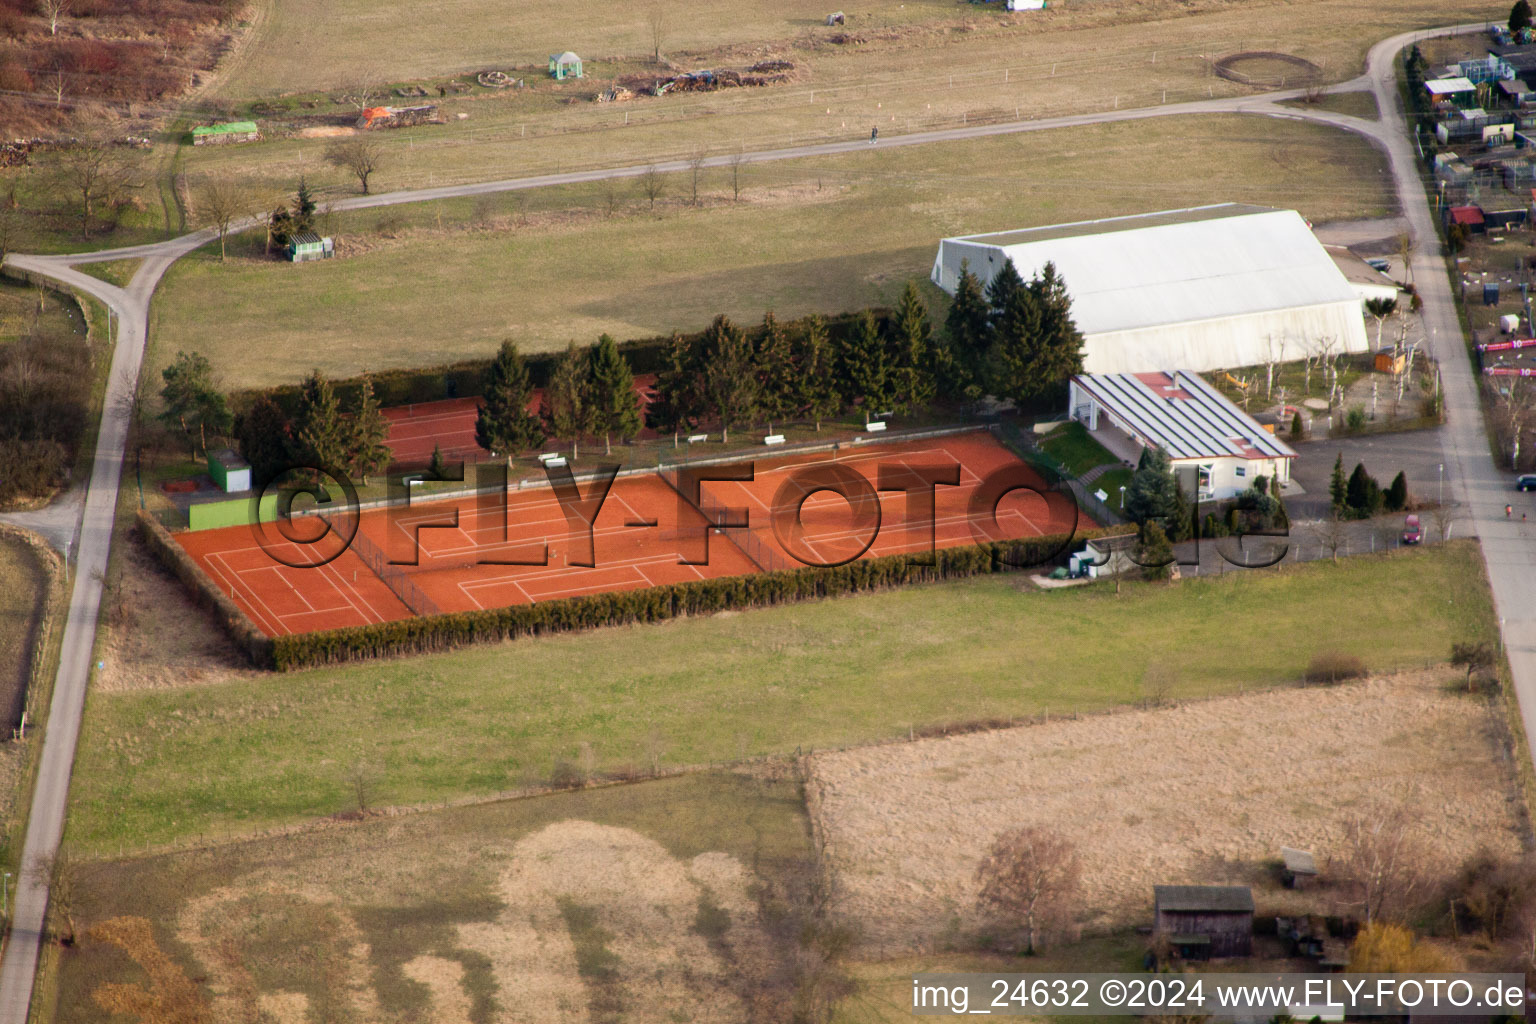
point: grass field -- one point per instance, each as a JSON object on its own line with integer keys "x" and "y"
{"x": 1072, "y": 446}
{"x": 25, "y": 309}
{"x": 166, "y": 765}
{"x": 1355, "y": 104}
{"x": 638, "y": 903}
{"x": 926, "y": 64}
{"x": 810, "y": 236}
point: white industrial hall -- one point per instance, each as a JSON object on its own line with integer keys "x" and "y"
{"x": 1207, "y": 288}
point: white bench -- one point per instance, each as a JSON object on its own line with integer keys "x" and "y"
{"x": 696, "y": 438}
{"x": 875, "y": 427}
{"x": 548, "y": 456}
{"x": 555, "y": 460}
{"x": 774, "y": 439}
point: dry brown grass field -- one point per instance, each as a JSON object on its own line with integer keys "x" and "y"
{"x": 432, "y": 283}
{"x": 1203, "y": 793}
{"x": 927, "y": 63}
{"x": 655, "y": 902}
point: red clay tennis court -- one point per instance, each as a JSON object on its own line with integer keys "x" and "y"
{"x": 642, "y": 536}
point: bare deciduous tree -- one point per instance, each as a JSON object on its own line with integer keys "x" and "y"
{"x": 366, "y": 86}
{"x": 1030, "y": 878}
{"x": 54, "y": 11}
{"x": 1379, "y": 863}
{"x": 222, "y": 203}
{"x": 362, "y": 777}
{"x": 1158, "y": 681}
{"x": 1405, "y": 253}
{"x": 95, "y": 172}
{"x": 736, "y": 160}
{"x": 656, "y": 21}
{"x": 360, "y": 156}
{"x": 612, "y": 200}
{"x": 66, "y": 885}
{"x": 695, "y": 169}
{"x": 652, "y": 184}
{"x": 55, "y": 81}
{"x": 1330, "y": 533}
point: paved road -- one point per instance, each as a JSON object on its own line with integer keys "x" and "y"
{"x": 1478, "y": 484}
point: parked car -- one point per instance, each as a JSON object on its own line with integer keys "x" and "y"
{"x": 1526, "y": 482}
{"x": 1412, "y": 532}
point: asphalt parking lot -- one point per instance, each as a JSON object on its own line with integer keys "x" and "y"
{"x": 1416, "y": 453}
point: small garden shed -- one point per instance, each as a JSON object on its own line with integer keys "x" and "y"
{"x": 564, "y": 65}
{"x": 309, "y": 246}
{"x": 229, "y": 471}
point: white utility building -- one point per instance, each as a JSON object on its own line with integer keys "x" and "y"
{"x": 1207, "y": 288}
{"x": 1220, "y": 446}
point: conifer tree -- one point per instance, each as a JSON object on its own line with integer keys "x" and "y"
{"x": 914, "y": 383}
{"x": 818, "y": 391}
{"x": 615, "y": 407}
{"x": 504, "y": 426}
{"x": 1337, "y": 489}
{"x": 320, "y": 432}
{"x": 776, "y": 374}
{"x": 729, "y": 382}
{"x": 967, "y": 337}
{"x": 865, "y": 365}
{"x": 567, "y": 408}
{"x": 675, "y": 402}
{"x": 368, "y": 432}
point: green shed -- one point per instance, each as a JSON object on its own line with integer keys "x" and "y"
{"x": 309, "y": 246}
{"x": 564, "y": 65}
{"x": 229, "y": 471}
{"x": 222, "y": 134}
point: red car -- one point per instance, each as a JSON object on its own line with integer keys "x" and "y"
{"x": 1412, "y": 534}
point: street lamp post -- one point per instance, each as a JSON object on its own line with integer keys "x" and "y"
{"x": 1441, "y": 500}
{"x": 1122, "y": 497}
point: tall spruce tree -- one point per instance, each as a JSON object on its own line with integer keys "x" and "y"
{"x": 914, "y": 364}
{"x": 967, "y": 337}
{"x": 303, "y": 209}
{"x": 675, "y": 399}
{"x": 504, "y": 426}
{"x": 818, "y": 391}
{"x": 615, "y": 406}
{"x": 1061, "y": 343}
{"x": 729, "y": 382}
{"x": 1011, "y": 368}
{"x": 318, "y": 427}
{"x": 567, "y": 408}
{"x": 367, "y": 434}
{"x": 865, "y": 365}
{"x": 776, "y": 372}
{"x": 1337, "y": 489}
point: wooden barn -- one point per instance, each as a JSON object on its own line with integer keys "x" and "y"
{"x": 1204, "y": 921}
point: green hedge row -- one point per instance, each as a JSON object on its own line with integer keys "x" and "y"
{"x": 654, "y": 604}
{"x": 467, "y": 379}
{"x": 245, "y": 633}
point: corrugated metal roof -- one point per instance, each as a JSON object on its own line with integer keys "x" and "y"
{"x": 304, "y": 238}
{"x": 1440, "y": 86}
{"x": 1180, "y": 266}
{"x": 1182, "y": 414}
